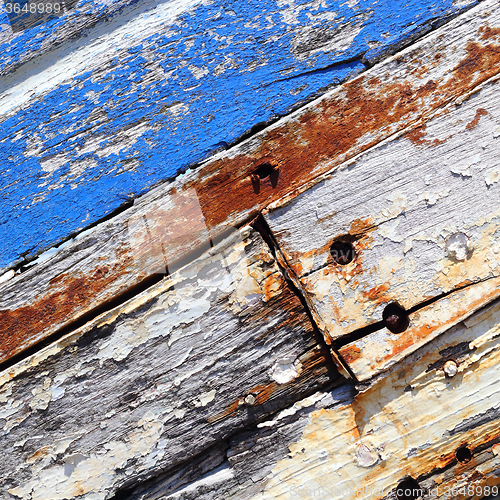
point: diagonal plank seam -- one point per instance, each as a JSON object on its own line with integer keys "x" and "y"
{"x": 374, "y": 327}
{"x": 126, "y": 491}
{"x": 282, "y": 202}
{"x": 261, "y": 226}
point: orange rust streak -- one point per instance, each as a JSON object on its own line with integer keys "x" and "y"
{"x": 480, "y": 112}
{"x": 21, "y": 328}
{"x": 334, "y": 129}
{"x": 351, "y": 354}
{"x": 417, "y": 135}
{"x": 376, "y": 291}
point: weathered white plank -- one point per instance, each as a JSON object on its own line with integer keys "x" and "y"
{"x": 337, "y": 445}
{"x": 387, "y": 100}
{"x": 216, "y": 346}
{"x": 421, "y": 212}
{"x": 378, "y": 351}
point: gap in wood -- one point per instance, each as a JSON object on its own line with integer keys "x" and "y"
{"x": 85, "y": 318}
{"x": 260, "y": 225}
{"x": 463, "y": 454}
{"x": 116, "y": 301}
{"x": 379, "y": 325}
{"x": 408, "y": 489}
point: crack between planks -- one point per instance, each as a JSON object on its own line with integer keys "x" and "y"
{"x": 140, "y": 489}
{"x": 326, "y": 69}
{"x": 261, "y": 226}
{"x": 82, "y": 320}
{"x": 379, "y": 325}
{"x": 292, "y": 279}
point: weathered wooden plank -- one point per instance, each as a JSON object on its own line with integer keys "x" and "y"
{"x": 420, "y": 211}
{"x": 338, "y": 445}
{"x": 382, "y": 349}
{"x": 218, "y": 345}
{"x": 382, "y": 29}
{"x": 221, "y": 194}
{"x": 121, "y": 95}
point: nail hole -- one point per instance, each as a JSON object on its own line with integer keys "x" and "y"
{"x": 408, "y": 489}
{"x": 342, "y": 252}
{"x": 264, "y": 170}
{"x": 463, "y": 454}
{"x": 395, "y": 318}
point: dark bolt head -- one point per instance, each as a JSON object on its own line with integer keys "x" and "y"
{"x": 342, "y": 252}
{"x": 393, "y": 321}
{"x": 463, "y": 454}
{"x": 395, "y": 318}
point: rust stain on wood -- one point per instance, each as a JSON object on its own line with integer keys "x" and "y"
{"x": 480, "y": 112}
{"x": 361, "y": 114}
{"x": 69, "y": 295}
{"x": 334, "y": 129}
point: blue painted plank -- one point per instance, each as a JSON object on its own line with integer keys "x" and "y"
{"x": 18, "y": 46}
{"x": 141, "y": 97}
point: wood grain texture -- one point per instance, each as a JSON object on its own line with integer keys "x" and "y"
{"x": 341, "y": 445}
{"x": 217, "y": 346}
{"x": 183, "y": 216}
{"x": 103, "y": 103}
{"x": 421, "y": 211}
{"x": 378, "y": 351}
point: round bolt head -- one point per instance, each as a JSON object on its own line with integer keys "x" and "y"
{"x": 250, "y": 400}
{"x": 450, "y": 368}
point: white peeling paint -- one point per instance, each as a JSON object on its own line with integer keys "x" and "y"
{"x": 492, "y": 177}
{"x": 285, "y": 370}
{"x": 7, "y": 276}
{"x": 206, "y": 398}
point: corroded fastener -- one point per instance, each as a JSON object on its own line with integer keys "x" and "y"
{"x": 395, "y": 318}
{"x": 463, "y": 454}
{"x": 342, "y": 252}
{"x": 265, "y": 170}
{"x": 250, "y": 400}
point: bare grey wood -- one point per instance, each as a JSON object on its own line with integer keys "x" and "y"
{"x": 421, "y": 211}
{"x": 337, "y": 444}
{"x": 217, "y": 346}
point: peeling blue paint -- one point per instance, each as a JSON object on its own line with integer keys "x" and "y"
{"x": 245, "y": 63}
